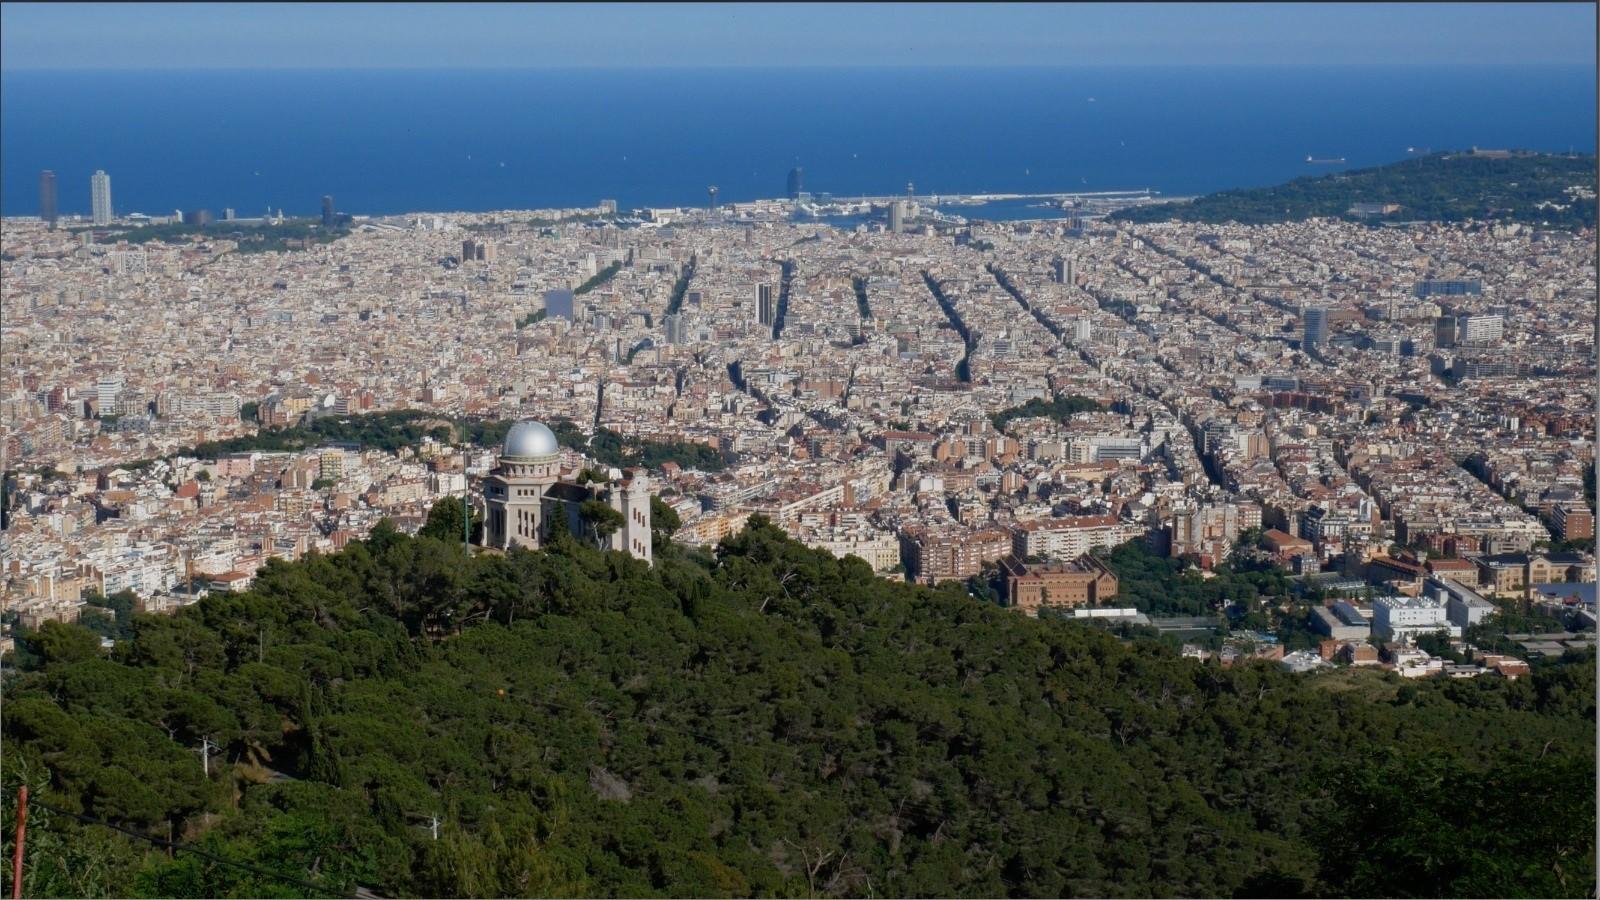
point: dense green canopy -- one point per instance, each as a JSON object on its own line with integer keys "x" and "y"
{"x": 764, "y": 720}
{"x": 1059, "y": 408}
{"x": 392, "y": 430}
{"x": 389, "y": 430}
{"x": 252, "y": 238}
{"x": 1442, "y": 187}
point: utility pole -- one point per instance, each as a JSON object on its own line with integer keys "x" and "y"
{"x": 205, "y": 753}
{"x": 22, "y": 833}
{"x": 466, "y": 502}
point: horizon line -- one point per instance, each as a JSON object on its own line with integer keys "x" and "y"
{"x": 995, "y": 196}
{"x": 1408, "y": 64}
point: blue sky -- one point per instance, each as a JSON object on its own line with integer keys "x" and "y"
{"x": 182, "y": 35}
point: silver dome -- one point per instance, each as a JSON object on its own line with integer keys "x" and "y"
{"x": 528, "y": 440}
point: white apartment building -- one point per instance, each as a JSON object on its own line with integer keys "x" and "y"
{"x": 1103, "y": 447}
{"x": 100, "y": 197}
{"x": 1407, "y": 618}
{"x": 106, "y": 391}
{"x": 1481, "y": 329}
{"x": 1064, "y": 539}
{"x": 880, "y": 549}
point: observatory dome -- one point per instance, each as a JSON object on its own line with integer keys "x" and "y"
{"x": 530, "y": 440}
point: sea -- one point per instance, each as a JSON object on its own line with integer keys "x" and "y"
{"x": 387, "y": 142}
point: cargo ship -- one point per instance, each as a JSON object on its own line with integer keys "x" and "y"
{"x": 1324, "y": 162}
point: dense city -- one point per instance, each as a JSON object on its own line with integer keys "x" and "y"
{"x": 798, "y": 450}
{"x": 1358, "y": 443}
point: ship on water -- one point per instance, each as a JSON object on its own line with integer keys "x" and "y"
{"x": 1323, "y": 162}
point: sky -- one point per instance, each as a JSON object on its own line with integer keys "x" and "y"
{"x": 426, "y": 35}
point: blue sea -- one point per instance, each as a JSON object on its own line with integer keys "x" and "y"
{"x": 396, "y": 141}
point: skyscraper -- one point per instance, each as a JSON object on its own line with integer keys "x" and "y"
{"x": 897, "y": 216}
{"x": 766, "y": 305}
{"x": 1066, "y": 271}
{"x": 100, "y": 197}
{"x": 797, "y": 182}
{"x": 327, "y": 210}
{"x": 1316, "y": 323}
{"x": 1479, "y": 330}
{"x": 47, "y": 197}
{"x": 1444, "y": 332}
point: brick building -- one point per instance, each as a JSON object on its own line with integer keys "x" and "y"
{"x": 951, "y": 553}
{"x": 1573, "y": 522}
{"x": 1033, "y": 586}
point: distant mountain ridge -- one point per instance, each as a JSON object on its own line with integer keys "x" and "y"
{"x": 1483, "y": 185}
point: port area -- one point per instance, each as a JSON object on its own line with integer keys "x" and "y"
{"x": 960, "y": 209}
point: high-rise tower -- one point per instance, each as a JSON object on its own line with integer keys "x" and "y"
{"x": 1316, "y": 325}
{"x": 100, "y": 197}
{"x": 327, "y": 210}
{"x": 797, "y": 182}
{"x": 47, "y": 197}
{"x": 766, "y": 305}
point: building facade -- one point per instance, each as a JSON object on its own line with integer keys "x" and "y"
{"x": 1407, "y": 618}
{"x": 1573, "y": 521}
{"x": 100, "y": 197}
{"x": 1086, "y": 582}
{"x": 897, "y": 216}
{"x": 1064, "y": 538}
{"x": 1316, "y": 325}
{"x": 47, "y": 197}
{"x": 951, "y": 552}
{"x": 766, "y": 305}
{"x": 525, "y": 495}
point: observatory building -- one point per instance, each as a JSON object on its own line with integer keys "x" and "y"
{"x": 525, "y": 494}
